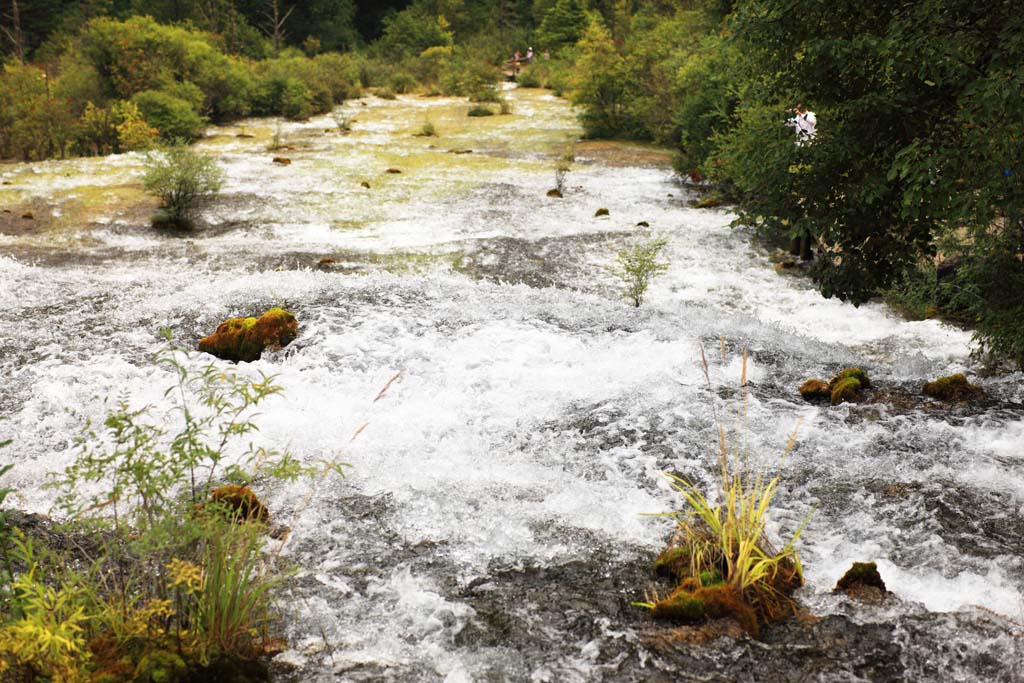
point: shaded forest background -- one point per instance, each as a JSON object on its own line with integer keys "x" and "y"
{"x": 910, "y": 190}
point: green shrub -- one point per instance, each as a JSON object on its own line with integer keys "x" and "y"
{"x": 637, "y": 265}
{"x": 529, "y": 77}
{"x": 480, "y": 111}
{"x": 174, "y": 117}
{"x": 181, "y": 178}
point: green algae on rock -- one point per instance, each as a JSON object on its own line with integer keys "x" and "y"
{"x": 855, "y": 373}
{"x": 953, "y": 388}
{"x": 245, "y": 339}
{"x": 846, "y": 390}
{"x": 814, "y": 389}
{"x": 601, "y": 212}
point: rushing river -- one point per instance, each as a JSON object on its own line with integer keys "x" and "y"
{"x": 490, "y": 527}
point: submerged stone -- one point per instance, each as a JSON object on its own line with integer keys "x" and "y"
{"x": 245, "y": 339}
{"x": 953, "y": 388}
{"x": 815, "y": 389}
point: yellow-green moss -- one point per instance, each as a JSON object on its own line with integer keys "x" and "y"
{"x": 815, "y": 389}
{"x": 245, "y": 339}
{"x": 953, "y": 388}
{"x": 855, "y": 373}
{"x": 845, "y": 390}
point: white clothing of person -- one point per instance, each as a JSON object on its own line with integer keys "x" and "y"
{"x": 805, "y": 125}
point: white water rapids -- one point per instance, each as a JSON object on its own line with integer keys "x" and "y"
{"x": 535, "y": 410}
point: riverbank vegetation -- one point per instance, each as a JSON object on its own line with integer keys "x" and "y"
{"x": 163, "y": 571}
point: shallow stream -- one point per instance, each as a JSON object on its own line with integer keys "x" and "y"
{"x": 491, "y": 524}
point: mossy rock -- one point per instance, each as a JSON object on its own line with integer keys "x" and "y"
{"x": 601, "y": 212}
{"x": 861, "y": 574}
{"x": 680, "y": 607}
{"x": 953, "y": 388}
{"x": 282, "y": 161}
{"x": 710, "y": 201}
{"x": 161, "y": 666}
{"x": 240, "y": 503}
{"x": 709, "y": 602}
{"x": 846, "y": 390}
{"x": 393, "y": 170}
{"x": 815, "y": 389}
{"x": 29, "y": 216}
{"x": 855, "y": 373}
{"x": 554, "y": 194}
{"x": 673, "y": 562}
{"x": 365, "y": 184}
{"x": 245, "y": 339}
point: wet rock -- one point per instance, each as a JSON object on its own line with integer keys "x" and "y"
{"x": 601, "y": 212}
{"x": 245, "y": 339}
{"x": 241, "y": 503}
{"x": 460, "y": 151}
{"x": 282, "y": 161}
{"x": 29, "y": 216}
{"x": 244, "y": 135}
{"x": 953, "y": 388}
{"x": 709, "y": 201}
{"x": 862, "y": 582}
{"x": 393, "y": 170}
{"x": 365, "y": 185}
{"x": 326, "y": 263}
{"x": 554, "y": 194}
{"x": 815, "y": 389}
{"x": 643, "y": 224}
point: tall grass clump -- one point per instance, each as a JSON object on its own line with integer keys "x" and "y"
{"x": 720, "y": 556}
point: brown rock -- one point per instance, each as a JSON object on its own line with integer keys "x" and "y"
{"x": 245, "y": 339}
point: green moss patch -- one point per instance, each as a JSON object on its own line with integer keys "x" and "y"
{"x": 953, "y": 388}
{"x": 245, "y": 339}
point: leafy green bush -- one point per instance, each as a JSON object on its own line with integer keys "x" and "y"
{"x": 173, "y": 116}
{"x": 180, "y": 178}
{"x": 637, "y": 265}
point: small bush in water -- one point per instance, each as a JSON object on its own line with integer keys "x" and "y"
{"x": 637, "y": 265}
{"x": 181, "y": 178}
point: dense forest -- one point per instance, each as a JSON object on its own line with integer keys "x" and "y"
{"x": 909, "y": 189}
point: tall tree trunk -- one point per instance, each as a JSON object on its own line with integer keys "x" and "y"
{"x": 14, "y": 32}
